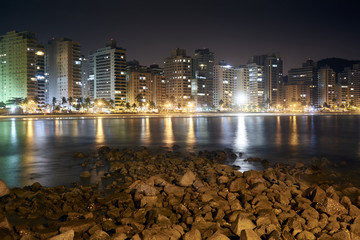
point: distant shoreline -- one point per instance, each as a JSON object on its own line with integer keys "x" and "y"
{"x": 139, "y": 115}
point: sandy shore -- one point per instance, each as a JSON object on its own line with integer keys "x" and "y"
{"x": 162, "y": 194}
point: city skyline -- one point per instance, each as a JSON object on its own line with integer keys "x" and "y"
{"x": 234, "y": 31}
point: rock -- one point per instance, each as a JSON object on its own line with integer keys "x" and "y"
{"x": 241, "y": 223}
{"x": 175, "y": 190}
{"x": 194, "y": 234}
{"x": 354, "y": 211}
{"x": 237, "y": 185}
{"x": 77, "y": 226}
{"x": 315, "y": 194}
{"x": 4, "y": 223}
{"x": 355, "y": 228}
{"x": 4, "y": 190}
{"x": 146, "y": 189}
{"x": 342, "y": 235}
{"x": 6, "y": 234}
{"x": 223, "y": 179}
{"x": 187, "y": 179}
{"x": 68, "y": 235}
{"x": 305, "y": 235}
{"x": 331, "y": 207}
{"x": 99, "y": 235}
{"x": 85, "y": 174}
{"x": 218, "y": 236}
{"x": 248, "y": 234}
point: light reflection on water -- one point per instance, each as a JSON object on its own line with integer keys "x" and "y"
{"x": 42, "y": 149}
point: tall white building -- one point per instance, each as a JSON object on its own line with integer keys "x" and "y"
{"x": 110, "y": 74}
{"x": 256, "y": 85}
{"x": 223, "y": 85}
{"x": 62, "y": 70}
{"x": 241, "y": 86}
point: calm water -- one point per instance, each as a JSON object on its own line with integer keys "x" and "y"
{"x": 42, "y": 149}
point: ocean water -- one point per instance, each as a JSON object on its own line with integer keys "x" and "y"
{"x": 41, "y": 150}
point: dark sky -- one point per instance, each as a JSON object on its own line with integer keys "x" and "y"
{"x": 233, "y": 30}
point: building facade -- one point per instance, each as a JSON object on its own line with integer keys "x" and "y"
{"x": 223, "y": 85}
{"x": 326, "y": 86}
{"x": 110, "y": 74}
{"x": 178, "y": 75}
{"x": 139, "y": 84}
{"x": 256, "y": 85}
{"x": 272, "y": 77}
{"x": 21, "y": 67}
{"x": 203, "y": 77}
{"x": 63, "y": 70}
{"x": 241, "y": 86}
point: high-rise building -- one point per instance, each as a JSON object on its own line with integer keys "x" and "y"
{"x": 223, "y": 85}
{"x": 303, "y": 82}
{"x": 256, "y": 85}
{"x": 63, "y": 70}
{"x": 178, "y": 74}
{"x": 326, "y": 86}
{"x": 203, "y": 75}
{"x": 85, "y": 86}
{"x": 273, "y": 75}
{"x": 241, "y": 86}
{"x": 348, "y": 87}
{"x": 158, "y": 86}
{"x": 110, "y": 74}
{"x": 138, "y": 84}
{"x": 21, "y": 67}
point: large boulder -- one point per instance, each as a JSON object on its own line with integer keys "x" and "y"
{"x": 4, "y": 190}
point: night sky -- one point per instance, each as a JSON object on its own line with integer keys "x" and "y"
{"x": 233, "y": 30}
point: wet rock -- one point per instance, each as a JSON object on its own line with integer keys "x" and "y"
{"x": 68, "y": 235}
{"x": 187, "y": 179}
{"x": 4, "y": 190}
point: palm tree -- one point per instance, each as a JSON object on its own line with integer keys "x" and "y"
{"x": 54, "y": 102}
{"x": 87, "y": 102}
{"x": 134, "y": 106}
{"x": 152, "y": 105}
{"x": 70, "y": 100}
{"x": 221, "y": 102}
{"x": 127, "y": 105}
{"x": 111, "y": 102}
{"x": 63, "y": 100}
{"x": 138, "y": 99}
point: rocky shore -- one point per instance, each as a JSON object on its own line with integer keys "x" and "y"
{"x": 164, "y": 194}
